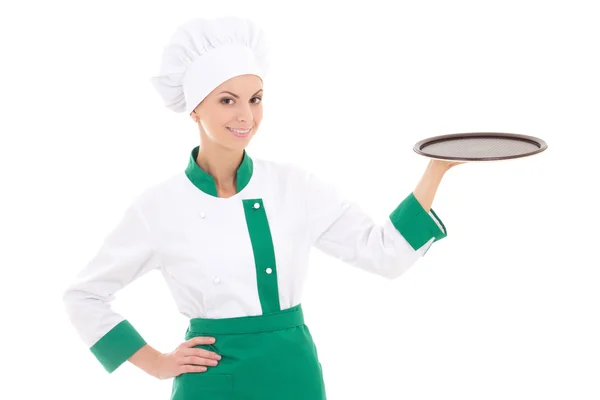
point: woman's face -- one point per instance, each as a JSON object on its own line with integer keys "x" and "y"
{"x": 231, "y": 114}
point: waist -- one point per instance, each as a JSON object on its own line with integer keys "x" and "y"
{"x": 284, "y": 319}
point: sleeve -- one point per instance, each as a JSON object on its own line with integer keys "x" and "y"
{"x": 125, "y": 255}
{"x": 340, "y": 228}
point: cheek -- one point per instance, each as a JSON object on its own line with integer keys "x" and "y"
{"x": 214, "y": 129}
{"x": 217, "y": 124}
{"x": 258, "y": 115}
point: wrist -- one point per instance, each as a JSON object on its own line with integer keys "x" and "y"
{"x": 438, "y": 167}
{"x": 154, "y": 365}
{"x": 147, "y": 359}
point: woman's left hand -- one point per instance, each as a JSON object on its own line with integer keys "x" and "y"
{"x": 445, "y": 165}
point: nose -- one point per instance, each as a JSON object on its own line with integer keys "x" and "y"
{"x": 245, "y": 113}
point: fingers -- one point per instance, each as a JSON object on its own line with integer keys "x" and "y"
{"x": 195, "y": 360}
{"x": 199, "y": 340}
{"x": 191, "y": 368}
{"x": 200, "y": 353}
{"x": 196, "y": 363}
{"x": 192, "y": 359}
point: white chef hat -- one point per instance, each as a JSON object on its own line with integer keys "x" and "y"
{"x": 203, "y": 53}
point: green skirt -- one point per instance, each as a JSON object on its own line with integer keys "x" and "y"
{"x": 264, "y": 357}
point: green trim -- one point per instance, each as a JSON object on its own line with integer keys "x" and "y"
{"x": 264, "y": 254}
{"x": 206, "y": 183}
{"x": 415, "y": 224}
{"x": 116, "y": 346}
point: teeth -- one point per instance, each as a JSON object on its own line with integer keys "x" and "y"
{"x": 239, "y": 130}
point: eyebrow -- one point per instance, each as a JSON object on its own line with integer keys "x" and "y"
{"x": 236, "y": 96}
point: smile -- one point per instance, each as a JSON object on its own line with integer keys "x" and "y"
{"x": 240, "y": 132}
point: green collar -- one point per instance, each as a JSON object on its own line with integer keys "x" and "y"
{"x": 205, "y": 182}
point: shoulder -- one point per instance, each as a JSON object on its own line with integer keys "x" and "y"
{"x": 301, "y": 176}
{"x": 286, "y": 176}
{"x": 281, "y": 169}
{"x": 160, "y": 193}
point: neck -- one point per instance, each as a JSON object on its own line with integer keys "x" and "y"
{"x": 221, "y": 164}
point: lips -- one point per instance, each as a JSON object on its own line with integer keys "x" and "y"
{"x": 239, "y": 132}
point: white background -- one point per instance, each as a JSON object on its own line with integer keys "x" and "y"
{"x": 505, "y": 307}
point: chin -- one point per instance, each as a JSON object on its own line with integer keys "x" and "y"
{"x": 236, "y": 143}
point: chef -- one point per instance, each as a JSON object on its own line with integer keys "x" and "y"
{"x": 231, "y": 235}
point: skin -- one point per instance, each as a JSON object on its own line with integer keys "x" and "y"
{"x": 427, "y": 187}
{"x": 220, "y": 155}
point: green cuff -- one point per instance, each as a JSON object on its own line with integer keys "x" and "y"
{"x": 415, "y": 224}
{"x": 120, "y": 343}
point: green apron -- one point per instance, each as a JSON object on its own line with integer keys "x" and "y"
{"x": 264, "y": 357}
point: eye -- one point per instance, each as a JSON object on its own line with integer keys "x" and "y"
{"x": 254, "y": 100}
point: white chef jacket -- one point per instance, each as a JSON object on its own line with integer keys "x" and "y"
{"x": 238, "y": 256}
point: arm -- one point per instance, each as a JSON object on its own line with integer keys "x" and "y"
{"x": 340, "y": 228}
{"x": 125, "y": 255}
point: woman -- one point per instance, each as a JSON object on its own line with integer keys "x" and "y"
{"x": 231, "y": 236}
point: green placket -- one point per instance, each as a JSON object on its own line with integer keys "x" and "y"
{"x": 264, "y": 254}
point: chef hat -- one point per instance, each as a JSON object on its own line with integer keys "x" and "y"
{"x": 203, "y": 53}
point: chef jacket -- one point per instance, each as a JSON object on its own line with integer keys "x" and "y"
{"x": 238, "y": 256}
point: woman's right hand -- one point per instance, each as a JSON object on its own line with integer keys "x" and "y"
{"x": 186, "y": 358}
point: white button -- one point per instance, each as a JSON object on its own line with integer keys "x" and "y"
{"x": 269, "y": 270}
{"x": 202, "y": 215}
{"x": 216, "y": 280}
{"x": 256, "y": 205}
